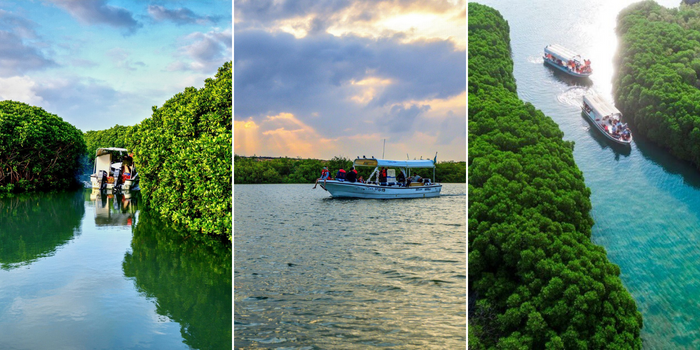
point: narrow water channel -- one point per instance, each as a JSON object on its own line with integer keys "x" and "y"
{"x": 646, "y": 205}
{"x": 83, "y": 270}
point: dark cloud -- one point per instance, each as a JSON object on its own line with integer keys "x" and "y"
{"x": 18, "y": 58}
{"x": 277, "y": 73}
{"x": 179, "y": 16}
{"x": 400, "y": 119}
{"x": 22, "y": 27}
{"x": 266, "y": 10}
{"x": 98, "y": 12}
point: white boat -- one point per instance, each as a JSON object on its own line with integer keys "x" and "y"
{"x": 386, "y": 190}
{"x": 114, "y": 171}
{"x": 606, "y": 118}
{"x": 567, "y": 61}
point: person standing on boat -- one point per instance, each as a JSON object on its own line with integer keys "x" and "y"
{"x": 325, "y": 174}
{"x": 382, "y": 175}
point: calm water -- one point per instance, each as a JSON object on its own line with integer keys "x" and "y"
{"x": 313, "y": 272}
{"x": 646, "y": 206}
{"x": 80, "y": 271}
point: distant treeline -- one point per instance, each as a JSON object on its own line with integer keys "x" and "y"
{"x": 657, "y": 82}
{"x": 254, "y": 170}
{"x": 117, "y": 136}
{"x": 537, "y": 280}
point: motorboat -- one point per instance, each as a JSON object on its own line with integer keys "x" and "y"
{"x": 567, "y": 61}
{"x": 389, "y": 188}
{"x": 606, "y": 118}
{"x": 114, "y": 171}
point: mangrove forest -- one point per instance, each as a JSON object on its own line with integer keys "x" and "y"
{"x": 536, "y": 281}
{"x": 657, "y": 81}
{"x": 38, "y": 150}
{"x": 268, "y": 170}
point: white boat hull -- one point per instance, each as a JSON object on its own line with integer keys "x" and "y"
{"x": 343, "y": 189}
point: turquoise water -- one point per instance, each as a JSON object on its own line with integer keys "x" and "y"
{"x": 85, "y": 271}
{"x": 646, "y": 205}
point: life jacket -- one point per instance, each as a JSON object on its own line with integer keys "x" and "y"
{"x": 383, "y": 172}
{"x": 324, "y": 172}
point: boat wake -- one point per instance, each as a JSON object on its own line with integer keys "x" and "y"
{"x": 572, "y": 96}
{"x": 535, "y": 59}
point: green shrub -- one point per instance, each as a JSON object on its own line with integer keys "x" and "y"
{"x": 38, "y": 150}
{"x": 116, "y": 136}
{"x": 658, "y": 75}
{"x": 183, "y": 153}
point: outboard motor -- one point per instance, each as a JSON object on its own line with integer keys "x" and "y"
{"x": 117, "y": 180}
{"x": 103, "y": 182}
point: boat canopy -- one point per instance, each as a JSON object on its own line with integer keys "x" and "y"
{"x": 426, "y": 163}
{"x": 600, "y": 105}
{"x": 561, "y": 52}
{"x": 101, "y": 151}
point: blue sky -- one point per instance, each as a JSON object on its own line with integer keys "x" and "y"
{"x": 97, "y": 63}
{"x": 324, "y": 78}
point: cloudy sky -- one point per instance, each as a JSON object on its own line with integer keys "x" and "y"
{"x": 324, "y": 78}
{"x": 97, "y": 63}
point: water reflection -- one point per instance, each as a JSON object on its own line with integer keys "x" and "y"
{"x": 32, "y": 227}
{"x": 190, "y": 282}
{"x": 114, "y": 209}
{"x": 669, "y": 163}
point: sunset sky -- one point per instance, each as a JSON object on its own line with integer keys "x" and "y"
{"x": 317, "y": 79}
{"x": 97, "y": 63}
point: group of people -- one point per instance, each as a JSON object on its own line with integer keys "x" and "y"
{"x": 351, "y": 176}
{"x": 573, "y": 65}
{"x": 620, "y": 130}
{"x": 341, "y": 175}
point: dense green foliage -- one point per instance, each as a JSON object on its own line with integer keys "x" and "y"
{"x": 658, "y": 76}
{"x": 539, "y": 280}
{"x": 116, "y": 136}
{"x": 38, "y": 150}
{"x": 190, "y": 283}
{"x": 33, "y": 226}
{"x": 251, "y": 170}
{"x": 183, "y": 153}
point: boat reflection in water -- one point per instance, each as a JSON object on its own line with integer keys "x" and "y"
{"x": 118, "y": 209}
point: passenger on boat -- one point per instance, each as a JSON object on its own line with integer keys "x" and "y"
{"x": 416, "y": 178}
{"x": 401, "y": 178}
{"x": 325, "y": 174}
{"x": 351, "y": 175}
{"x": 382, "y": 175}
{"x": 361, "y": 180}
{"x": 340, "y": 175}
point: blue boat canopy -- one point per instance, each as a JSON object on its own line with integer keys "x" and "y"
{"x": 372, "y": 162}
